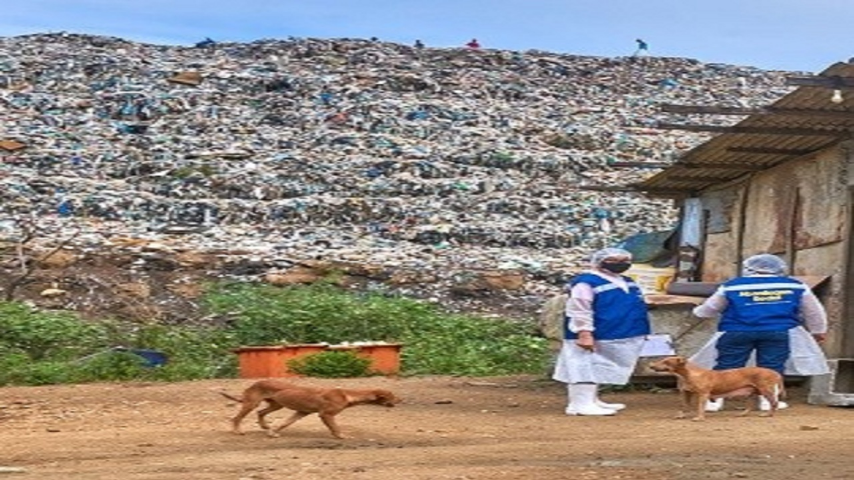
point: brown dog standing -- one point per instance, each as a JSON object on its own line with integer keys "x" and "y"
{"x": 698, "y": 385}
{"x": 326, "y": 402}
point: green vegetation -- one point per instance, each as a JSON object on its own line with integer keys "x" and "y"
{"x": 331, "y": 364}
{"x": 46, "y": 347}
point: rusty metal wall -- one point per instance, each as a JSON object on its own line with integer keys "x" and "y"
{"x": 830, "y": 258}
{"x": 805, "y": 199}
{"x": 719, "y": 259}
{"x": 803, "y": 204}
{"x": 772, "y": 215}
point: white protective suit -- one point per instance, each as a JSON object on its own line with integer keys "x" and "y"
{"x": 613, "y": 362}
{"x": 806, "y": 358}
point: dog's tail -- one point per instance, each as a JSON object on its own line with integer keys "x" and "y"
{"x": 231, "y": 397}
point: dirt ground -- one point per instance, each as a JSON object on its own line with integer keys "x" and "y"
{"x": 447, "y": 428}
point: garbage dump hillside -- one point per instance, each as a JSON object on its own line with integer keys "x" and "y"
{"x": 420, "y": 170}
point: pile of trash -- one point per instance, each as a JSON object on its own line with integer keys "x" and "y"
{"x": 438, "y": 159}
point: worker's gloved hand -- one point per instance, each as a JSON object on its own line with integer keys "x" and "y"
{"x": 585, "y": 340}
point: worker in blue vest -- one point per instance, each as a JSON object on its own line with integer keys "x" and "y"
{"x": 606, "y": 324}
{"x": 768, "y": 317}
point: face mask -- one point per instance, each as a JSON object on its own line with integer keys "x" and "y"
{"x": 618, "y": 267}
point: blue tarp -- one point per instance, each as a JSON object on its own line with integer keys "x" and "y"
{"x": 648, "y": 247}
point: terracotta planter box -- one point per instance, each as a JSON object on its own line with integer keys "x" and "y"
{"x": 385, "y": 357}
{"x": 272, "y": 361}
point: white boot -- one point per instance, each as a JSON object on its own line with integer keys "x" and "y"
{"x": 765, "y": 405}
{"x": 715, "y": 405}
{"x": 582, "y": 400}
{"x": 612, "y": 406}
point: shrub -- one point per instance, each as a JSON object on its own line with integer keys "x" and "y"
{"x": 204, "y": 351}
{"x": 43, "y": 347}
{"x": 47, "y": 334}
{"x": 330, "y": 364}
{"x": 265, "y": 315}
{"x": 434, "y": 342}
{"x": 469, "y": 345}
{"x": 39, "y": 373}
{"x": 112, "y": 366}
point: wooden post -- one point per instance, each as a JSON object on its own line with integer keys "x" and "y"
{"x": 791, "y": 230}
{"x": 847, "y": 343}
{"x": 742, "y": 224}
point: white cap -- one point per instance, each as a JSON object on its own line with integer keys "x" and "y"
{"x": 764, "y": 264}
{"x": 601, "y": 255}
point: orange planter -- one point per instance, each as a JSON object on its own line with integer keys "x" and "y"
{"x": 385, "y": 357}
{"x": 272, "y": 361}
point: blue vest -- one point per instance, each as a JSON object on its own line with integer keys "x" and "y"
{"x": 761, "y": 304}
{"x": 616, "y": 313}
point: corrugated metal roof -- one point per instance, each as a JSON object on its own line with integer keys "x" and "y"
{"x": 729, "y": 156}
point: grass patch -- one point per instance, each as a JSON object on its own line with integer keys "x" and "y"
{"x": 48, "y": 347}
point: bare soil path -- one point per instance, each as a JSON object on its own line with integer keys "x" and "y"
{"x": 447, "y": 428}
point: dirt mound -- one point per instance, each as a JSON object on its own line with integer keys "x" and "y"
{"x": 166, "y": 286}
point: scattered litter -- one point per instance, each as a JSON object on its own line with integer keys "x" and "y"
{"x": 13, "y": 470}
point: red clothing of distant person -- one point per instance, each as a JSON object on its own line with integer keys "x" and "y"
{"x": 473, "y": 43}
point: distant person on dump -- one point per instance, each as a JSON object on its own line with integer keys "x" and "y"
{"x": 473, "y": 44}
{"x": 419, "y": 45}
{"x": 643, "y": 48}
{"x": 207, "y": 42}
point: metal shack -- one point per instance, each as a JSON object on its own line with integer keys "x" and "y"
{"x": 779, "y": 181}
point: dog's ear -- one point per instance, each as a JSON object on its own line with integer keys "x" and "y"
{"x": 379, "y": 394}
{"x": 386, "y": 397}
{"x": 672, "y": 362}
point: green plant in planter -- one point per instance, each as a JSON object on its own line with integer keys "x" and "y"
{"x": 330, "y": 364}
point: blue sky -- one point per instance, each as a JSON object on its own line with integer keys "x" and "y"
{"x": 801, "y": 35}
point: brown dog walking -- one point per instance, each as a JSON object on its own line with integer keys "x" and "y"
{"x": 698, "y": 385}
{"x": 326, "y": 402}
